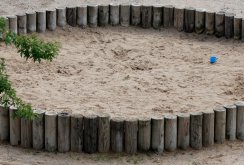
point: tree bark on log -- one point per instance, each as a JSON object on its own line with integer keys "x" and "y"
{"x": 51, "y": 19}
{"x": 103, "y": 15}
{"x": 38, "y": 130}
{"x": 208, "y": 128}
{"x": 90, "y": 134}
{"x": 157, "y": 16}
{"x": 229, "y": 25}
{"x": 63, "y": 132}
{"x": 61, "y": 17}
{"x": 125, "y": 15}
{"x": 13, "y": 24}
{"x": 144, "y": 134}
{"x": 146, "y": 16}
{"x": 22, "y": 24}
{"x": 92, "y": 15}
{"x": 158, "y": 134}
{"x": 179, "y": 18}
{"x": 196, "y": 131}
{"x": 183, "y": 136}
{"x": 170, "y": 133}
{"x": 117, "y": 135}
{"x": 114, "y": 14}
{"x": 82, "y": 16}
{"x": 103, "y": 133}
{"x": 220, "y": 125}
{"x": 4, "y": 123}
{"x": 51, "y": 131}
{"x": 41, "y": 21}
{"x": 220, "y": 24}
{"x": 31, "y": 22}
{"x": 237, "y": 28}
{"x": 210, "y": 23}
{"x": 200, "y": 21}
{"x": 26, "y": 133}
{"x": 240, "y": 121}
{"x": 131, "y": 131}
{"x": 230, "y": 122}
{"x": 135, "y": 14}
{"x": 76, "y": 133}
{"x": 71, "y": 16}
{"x": 14, "y": 129}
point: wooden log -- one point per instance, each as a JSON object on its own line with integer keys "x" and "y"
{"x": 103, "y": 15}
{"x": 61, "y": 16}
{"x": 240, "y": 121}
{"x": 90, "y": 134}
{"x": 51, "y": 19}
{"x": 189, "y": 20}
{"x": 41, "y": 21}
{"x": 26, "y": 133}
{"x": 229, "y": 25}
{"x": 131, "y": 131}
{"x": 6, "y": 23}
{"x": 237, "y": 28}
{"x": 220, "y": 124}
{"x": 144, "y": 134}
{"x": 71, "y": 16}
{"x": 13, "y": 24}
{"x": 103, "y": 133}
{"x": 146, "y": 16}
{"x": 135, "y": 14}
{"x": 230, "y": 122}
{"x": 220, "y": 24}
{"x": 82, "y": 16}
{"x": 38, "y": 130}
{"x": 200, "y": 21}
{"x": 92, "y": 15}
{"x": 210, "y": 23}
{"x": 4, "y": 123}
{"x": 196, "y": 131}
{"x": 76, "y": 133}
{"x": 170, "y": 133}
{"x": 125, "y": 14}
{"x": 117, "y": 135}
{"x": 114, "y": 14}
{"x": 242, "y": 30}
{"x": 208, "y": 128}
{"x": 158, "y": 134}
{"x": 183, "y": 133}
{"x": 31, "y": 22}
{"x": 168, "y": 16}
{"x": 22, "y": 24}
{"x": 179, "y": 18}
{"x": 14, "y": 124}
{"x": 157, "y": 16}
{"x": 51, "y": 131}
{"x": 63, "y": 132}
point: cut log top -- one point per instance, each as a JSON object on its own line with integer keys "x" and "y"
{"x": 157, "y": 118}
{"x": 208, "y": 112}
{"x": 40, "y": 11}
{"x": 229, "y": 14}
{"x": 63, "y": 114}
{"x": 230, "y": 106}
{"x": 51, "y": 10}
{"x": 157, "y": 6}
{"x": 51, "y": 113}
{"x": 60, "y": 8}
{"x": 21, "y": 14}
{"x": 201, "y": 10}
{"x": 146, "y": 5}
{"x": 103, "y": 115}
{"x": 113, "y": 4}
{"x": 219, "y": 109}
{"x": 136, "y": 4}
{"x": 190, "y": 9}
{"x": 92, "y": 5}
{"x": 12, "y": 16}
{"x": 82, "y": 5}
{"x": 76, "y": 116}
{"x": 125, "y": 4}
{"x": 39, "y": 111}
{"x": 30, "y": 12}
{"x": 170, "y": 117}
{"x": 183, "y": 115}
{"x": 196, "y": 113}
{"x": 240, "y": 104}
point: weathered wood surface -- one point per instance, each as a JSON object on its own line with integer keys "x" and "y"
{"x": 200, "y": 21}
{"x": 38, "y": 130}
{"x": 240, "y": 121}
{"x": 179, "y": 18}
{"x": 71, "y": 16}
{"x": 13, "y": 24}
{"x": 170, "y": 133}
{"x": 14, "y": 127}
{"x": 157, "y": 135}
{"x": 4, "y": 123}
{"x": 220, "y": 124}
{"x": 229, "y": 25}
{"x": 117, "y": 135}
{"x": 220, "y": 24}
{"x": 82, "y": 16}
{"x": 125, "y": 14}
{"x": 51, "y": 131}
{"x": 208, "y": 128}
{"x": 196, "y": 130}
{"x": 63, "y": 132}
{"x": 51, "y": 19}
{"x": 135, "y": 14}
{"x": 31, "y": 22}
{"x": 41, "y": 21}
{"x": 144, "y": 134}
{"x": 230, "y": 122}
{"x": 22, "y": 24}
{"x": 61, "y": 16}
{"x": 76, "y": 133}
{"x": 114, "y": 14}
{"x": 131, "y": 131}
{"x": 103, "y": 133}
{"x": 103, "y": 15}
{"x": 183, "y": 136}
{"x": 189, "y": 20}
{"x": 210, "y": 23}
{"x": 26, "y": 133}
{"x": 146, "y": 16}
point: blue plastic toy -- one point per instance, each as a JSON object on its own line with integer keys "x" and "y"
{"x": 213, "y": 59}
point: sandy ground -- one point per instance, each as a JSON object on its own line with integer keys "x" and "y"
{"x": 129, "y": 72}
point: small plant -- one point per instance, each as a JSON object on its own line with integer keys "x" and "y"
{"x": 29, "y": 47}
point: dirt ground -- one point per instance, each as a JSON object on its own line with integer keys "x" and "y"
{"x": 129, "y": 72}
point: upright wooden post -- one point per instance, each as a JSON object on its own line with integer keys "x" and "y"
{"x": 179, "y": 18}
{"x": 92, "y": 15}
{"x": 210, "y": 23}
{"x": 114, "y": 14}
{"x": 38, "y": 130}
{"x": 131, "y": 130}
{"x": 183, "y": 136}
{"x": 22, "y": 23}
{"x": 189, "y": 25}
{"x": 170, "y": 133}
{"x": 61, "y": 16}
{"x": 82, "y": 16}
{"x": 63, "y": 132}
{"x": 125, "y": 15}
{"x": 4, "y": 123}
{"x": 196, "y": 131}
{"x": 146, "y": 16}
{"x": 6, "y": 23}
{"x": 157, "y": 16}
{"x": 240, "y": 121}
{"x": 157, "y": 139}
{"x": 103, "y": 15}
{"x": 71, "y": 16}
{"x": 220, "y": 124}
{"x": 220, "y": 24}
{"x": 90, "y": 134}
{"x": 51, "y": 19}
{"x": 200, "y": 20}
{"x": 13, "y": 24}
{"x": 242, "y": 30}
{"x": 51, "y": 131}
{"x": 208, "y": 128}
{"x": 103, "y": 133}
{"x": 41, "y": 21}
{"x": 26, "y": 133}
{"x": 168, "y": 16}
{"x": 117, "y": 135}
{"x": 76, "y": 133}
{"x": 135, "y": 14}
{"x": 229, "y": 25}
{"x": 31, "y": 22}
{"x": 14, "y": 124}
{"x": 230, "y": 122}
{"x": 237, "y": 28}
{"x": 144, "y": 134}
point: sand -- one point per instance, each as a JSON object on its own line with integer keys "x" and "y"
{"x": 129, "y": 72}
